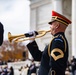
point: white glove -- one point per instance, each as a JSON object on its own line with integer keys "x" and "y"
{"x": 32, "y": 38}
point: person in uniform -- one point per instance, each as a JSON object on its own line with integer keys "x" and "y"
{"x": 1, "y": 33}
{"x": 54, "y": 58}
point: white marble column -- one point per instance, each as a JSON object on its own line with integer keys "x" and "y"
{"x": 74, "y": 28}
{"x": 57, "y": 5}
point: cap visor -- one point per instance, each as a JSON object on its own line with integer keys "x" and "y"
{"x": 51, "y": 21}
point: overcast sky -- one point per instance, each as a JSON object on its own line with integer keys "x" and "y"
{"x": 15, "y": 16}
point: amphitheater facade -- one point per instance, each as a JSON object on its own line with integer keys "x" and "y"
{"x": 40, "y": 15}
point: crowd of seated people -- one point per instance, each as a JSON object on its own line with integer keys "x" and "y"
{"x": 71, "y": 66}
{"x": 32, "y": 69}
{"x": 4, "y": 70}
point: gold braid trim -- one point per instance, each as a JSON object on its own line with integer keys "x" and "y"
{"x": 64, "y": 42}
{"x": 62, "y": 22}
{"x": 61, "y": 55}
{"x": 56, "y": 18}
{"x": 53, "y": 72}
{"x": 50, "y": 45}
{"x": 51, "y": 42}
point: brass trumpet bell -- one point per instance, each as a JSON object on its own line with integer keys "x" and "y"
{"x": 11, "y": 37}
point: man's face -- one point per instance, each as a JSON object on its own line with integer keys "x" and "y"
{"x": 53, "y": 27}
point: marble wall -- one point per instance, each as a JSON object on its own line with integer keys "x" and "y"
{"x": 41, "y": 15}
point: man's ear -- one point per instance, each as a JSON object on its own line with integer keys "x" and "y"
{"x": 58, "y": 25}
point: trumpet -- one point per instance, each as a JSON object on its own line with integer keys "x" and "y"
{"x": 23, "y": 37}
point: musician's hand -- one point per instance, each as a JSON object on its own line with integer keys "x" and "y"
{"x": 31, "y": 34}
{"x": 32, "y": 38}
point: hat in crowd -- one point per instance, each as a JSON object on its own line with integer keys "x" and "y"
{"x": 1, "y": 33}
{"x": 58, "y": 17}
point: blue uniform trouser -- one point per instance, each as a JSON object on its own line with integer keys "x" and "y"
{"x": 42, "y": 71}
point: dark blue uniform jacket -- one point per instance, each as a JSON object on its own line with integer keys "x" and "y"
{"x": 54, "y": 57}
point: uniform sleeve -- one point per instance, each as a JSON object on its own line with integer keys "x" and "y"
{"x": 57, "y": 49}
{"x": 57, "y": 56}
{"x": 34, "y": 50}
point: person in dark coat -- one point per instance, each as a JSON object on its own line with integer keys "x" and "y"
{"x": 54, "y": 58}
{"x": 11, "y": 71}
{"x": 73, "y": 65}
{"x": 1, "y": 33}
{"x": 32, "y": 68}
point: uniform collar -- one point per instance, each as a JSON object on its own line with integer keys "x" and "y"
{"x": 59, "y": 33}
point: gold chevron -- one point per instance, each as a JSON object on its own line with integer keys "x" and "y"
{"x": 61, "y": 55}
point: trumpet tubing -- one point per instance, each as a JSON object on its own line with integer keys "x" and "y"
{"x": 22, "y": 37}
